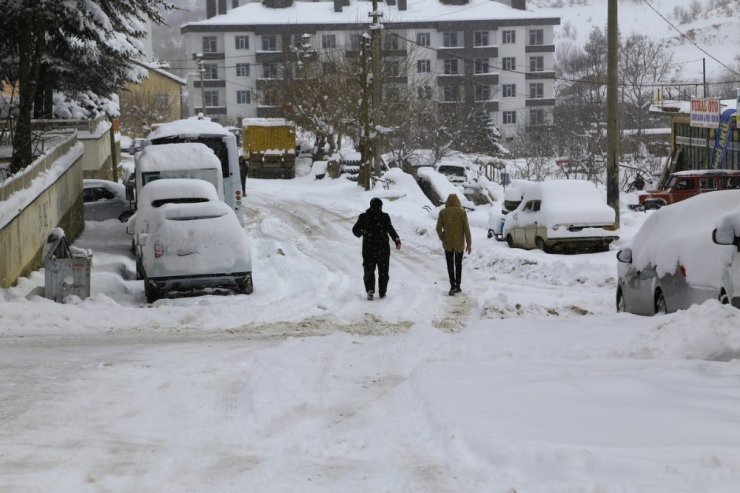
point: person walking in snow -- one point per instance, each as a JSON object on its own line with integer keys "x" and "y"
{"x": 374, "y": 226}
{"x": 454, "y": 231}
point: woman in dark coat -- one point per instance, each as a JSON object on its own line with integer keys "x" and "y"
{"x": 374, "y": 226}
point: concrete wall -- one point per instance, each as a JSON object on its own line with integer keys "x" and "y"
{"x": 59, "y": 204}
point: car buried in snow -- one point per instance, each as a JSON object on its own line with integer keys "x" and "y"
{"x": 727, "y": 233}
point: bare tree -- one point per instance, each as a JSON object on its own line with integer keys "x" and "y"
{"x": 143, "y": 107}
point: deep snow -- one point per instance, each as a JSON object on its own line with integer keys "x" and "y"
{"x": 528, "y": 382}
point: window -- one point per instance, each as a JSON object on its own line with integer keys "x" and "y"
{"x": 536, "y": 64}
{"x": 392, "y": 42}
{"x": 327, "y": 68}
{"x": 450, "y": 93}
{"x": 392, "y": 94}
{"x": 707, "y": 183}
{"x": 480, "y": 38}
{"x": 684, "y": 184}
{"x": 508, "y": 36}
{"x": 536, "y": 37}
{"x": 328, "y": 41}
{"x": 537, "y": 90}
{"x": 732, "y": 182}
{"x": 450, "y": 67}
{"x": 242, "y": 70}
{"x": 508, "y": 63}
{"x": 425, "y": 92}
{"x": 355, "y": 41}
{"x": 481, "y": 65}
{"x": 509, "y": 90}
{"x": 210, "y": 71}
{"x": 243, "y": 97}
{"x": 423, "y": 39}
{"x": 482, "y": 93}
{"x": 393, "y": 68}
{"x": 241, "y": 42}
{"x": 423, "y": 66}
{"x": 536, "y": 116}
{"x": 269, "y": 70}
{"x": 269, "y": 42}
{"x": 211, "y": 98}
{"x": 449, "y": 40}
{"x": 210, "y": 44}
{"x": 509, "y": 117}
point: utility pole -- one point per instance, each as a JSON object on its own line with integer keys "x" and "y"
{"x": 201, "y": 71}
{"x": 704, "y": 75}
{"x": 375, "y": 33}
{"x": 612, "y": 122}
{"x": 366, "y": 150}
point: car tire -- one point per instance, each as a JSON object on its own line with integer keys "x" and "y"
{"x": 621, "y": 306}
{"x": 125, "y": 216}
{"x": 490, "y": 233}
{"x": 152, "y": 292}
{"x": 245, "y": 286}
{"x": 660, "y": 304}
{"x": 540, "y": 243}
{"x": 723, "y": 298}
{"x": 510, "y": 241}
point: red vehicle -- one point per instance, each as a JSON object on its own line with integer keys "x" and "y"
{"x": 684, "y": 184}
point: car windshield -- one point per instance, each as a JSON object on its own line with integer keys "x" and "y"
{"x": 178, "y": 200}
{"x": 452, "y": 170}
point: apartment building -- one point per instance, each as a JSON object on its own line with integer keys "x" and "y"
{"x": 494, "y": 54}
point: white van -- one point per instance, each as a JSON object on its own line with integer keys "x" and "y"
{"x": 220, "y": 140}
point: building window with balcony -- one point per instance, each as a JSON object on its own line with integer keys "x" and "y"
{"x": 392, "y": 42}
{"x": 482, "y": 93}
{"x": 508, "y": 36}
{"x": 211, "y": 98}
{"x": 536, "y": 116}
{"x": 536, "y": 64}
{"x": 355, "y": 41}
{"x": 425, "y": 92}
{"x": 449, "y": 40}
{"x": 269, "y": 42}
{"x": 481, "y": 65}
{"x": 423, "y": 39}
{"x": 241, "y": 42}
{"x": 536, "y": 90}
{"x": 210, "y": 44}
{"x": 243, "y": 97}
{"x": 242, "y": 70}
{"x": 508, "y": 63}
{"x": 509, "y": 90}
{"x": 450, "y": 67}
{"x": 480, "y": 38}
{"x": 509, "y": 117}
{"x": 269, "y": 70}
{"x": 536, "y": 37}
{"x": 328, "y": 41}
{"x": 450, "y": 93}
{"x": 210, "y": 71}
{"x": 423, "y": 66}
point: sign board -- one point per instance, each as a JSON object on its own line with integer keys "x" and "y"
{"x": 705, "y": 112}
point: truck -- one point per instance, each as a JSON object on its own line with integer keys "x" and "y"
{"x": 268, "y": 148}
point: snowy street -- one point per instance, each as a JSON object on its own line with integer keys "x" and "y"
{"x": 527, "y": 382}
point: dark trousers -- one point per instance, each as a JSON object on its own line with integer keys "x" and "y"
{"x": 454, "y": 267}
{"x": 369, "y": 263}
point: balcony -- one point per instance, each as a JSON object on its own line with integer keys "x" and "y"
{"x": 210, "y": 56}
{"x": 270, "y": 56}
{"x": 211, "y": 110}
{"x": 210, "y": 83}
{"x": 539, "y": 49}
{"x": 539, "y": 75}
{"x": 484, "y": 52}
{"x": 532, "y": 103}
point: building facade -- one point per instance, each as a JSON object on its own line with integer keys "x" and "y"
{"x": 491, "y": 54}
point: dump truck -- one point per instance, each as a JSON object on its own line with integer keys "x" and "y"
{"x": 268, "y": 148}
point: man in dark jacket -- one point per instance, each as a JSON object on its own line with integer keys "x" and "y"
{"x": 374, "y": 226}
{"x": 454, "y": 231}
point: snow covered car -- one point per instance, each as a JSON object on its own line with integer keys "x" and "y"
{"x": 454, "y": 172}
{"x": 559, "y": 215}
{"x": 194, "y": 246}
{"x": 512, "y": 198}
{"x": 672, "y": 262}
{"x": 727, "y": 232}
{"x": 160, "y": 192}
{"x": 104, "y": 199}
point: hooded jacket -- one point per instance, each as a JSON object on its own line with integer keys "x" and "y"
{"x": 452, "y": 225}
{"x": 374, "y": 226}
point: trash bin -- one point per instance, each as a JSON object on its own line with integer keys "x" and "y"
{"x": 67, "y": 270}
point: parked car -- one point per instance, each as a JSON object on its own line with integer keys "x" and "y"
{"x": 727, "y": 232}
{"x": 158, "y": 193}
{"x": 454, "y": 172}
{"x": 104, "y": 200}
{"x": 194, "y": 246}
{"x": 672, "y": 263}
{"x": 684, "y": 184}
{"x": 560, "y": 215}
{"x": 512, "y": 198}
{"x": 137, "y": 145}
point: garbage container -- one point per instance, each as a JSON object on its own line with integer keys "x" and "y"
{"x": 67, "y": 270}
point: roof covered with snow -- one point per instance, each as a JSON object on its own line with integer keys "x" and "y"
{"x": 188, "y": 127}
{"x": 187, "y": 155}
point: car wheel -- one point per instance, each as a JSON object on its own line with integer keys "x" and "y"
{"x": 540, "y": 243}
{"x": 723, "y": 298}
{"x": 510, "y": 241}
{"x": 621, "y": 307}
{"x": 245, "y": 285}
{"x": 152, "y": 292}
{"x": 490, "y": 233}
{"x": 660, "y": 304}
{"x": 125, "y": 216}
